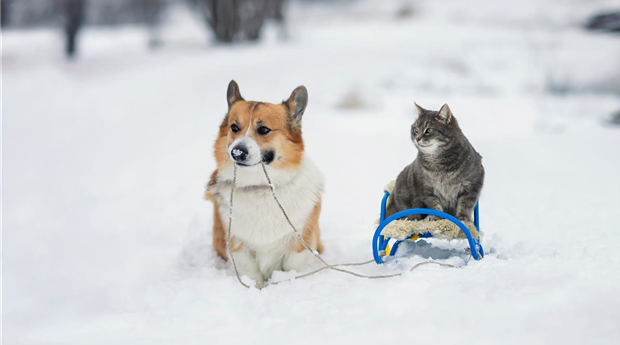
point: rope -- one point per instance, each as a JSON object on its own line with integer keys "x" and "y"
{"x": 230, "y": 218}
{"x": 305, "y": 244}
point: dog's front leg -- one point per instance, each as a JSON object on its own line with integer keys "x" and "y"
{"x": 247, "y": 264}
{"x": 297, "y": 259}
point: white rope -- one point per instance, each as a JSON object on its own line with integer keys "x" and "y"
{"x": 303, "y": 242}
{"x": 230, "y": 217}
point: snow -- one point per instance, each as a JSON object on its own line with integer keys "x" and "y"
{"x": 106, "y": 237}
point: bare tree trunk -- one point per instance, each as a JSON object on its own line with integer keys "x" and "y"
{"x": 4, "y": 12}
{"x": 74, "y": 17}
{"x": 252, "y": 15}
{"x": 152, "y": 11}
{"x": 277, "y": 14}
{"x": 226, "y": 20}
{"x": 233, "y": 20}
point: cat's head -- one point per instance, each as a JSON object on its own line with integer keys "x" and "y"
{"x": 432, "y": 130}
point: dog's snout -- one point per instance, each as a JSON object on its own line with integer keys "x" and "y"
{"x": 239, "y": 153}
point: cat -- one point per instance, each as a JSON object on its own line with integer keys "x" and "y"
{"x": 447, "y": 174}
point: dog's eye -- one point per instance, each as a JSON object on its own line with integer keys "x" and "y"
{"x": 263, "y": 130}
{"x": 429, "y": 131}
{"x": 234, "y": 128}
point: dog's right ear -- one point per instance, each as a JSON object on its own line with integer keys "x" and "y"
{"x": 233, "y": 95}
{"x": 296, "y": 104}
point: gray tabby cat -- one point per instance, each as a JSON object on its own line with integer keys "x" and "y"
{"x": 447, "y": 175}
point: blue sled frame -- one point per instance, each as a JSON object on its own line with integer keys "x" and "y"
{"x": 380, "y": 243}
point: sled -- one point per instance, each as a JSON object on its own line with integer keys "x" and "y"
{"x": 400, "y": 230}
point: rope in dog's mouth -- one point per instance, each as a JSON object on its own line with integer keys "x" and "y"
{"x": 326, "y": 265}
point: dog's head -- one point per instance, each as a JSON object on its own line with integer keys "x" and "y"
{"x": 254, "y": 132}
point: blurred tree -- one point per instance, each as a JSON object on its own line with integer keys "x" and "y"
{"x": 73, "y": 11}
{"x": 608, "y": 21}
{"x": 151, "y": 14}
{"x": 229, "y": 20}
{"x": 29, "y": 13}
{"x": 276, "y": 12}
{"x": 252, "y": 14}
{"x": 236, "y": 20}
{"x": 4, "y": 12}
{"x": 219, "y": 16}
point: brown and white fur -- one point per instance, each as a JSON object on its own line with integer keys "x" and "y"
{"x": 261, "y": 239}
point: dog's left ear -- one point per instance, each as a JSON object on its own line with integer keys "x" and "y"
{"x": 445, "y": 114}
{"x": 296, "y": 104}
{"x": 232, "y": 94}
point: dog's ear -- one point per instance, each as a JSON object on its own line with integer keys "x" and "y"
{"x": 445, "y": 114}
{"x": 418, "y": 110}
{"x": 296, "y": 104}
{"x": 233, "y": 95}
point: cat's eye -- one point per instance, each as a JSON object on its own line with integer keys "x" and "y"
{"x": 234, "y": 128}
{"x": 429, "y": 131}
{"x": 416, "y": 131}
{"x": 263, "y": 130}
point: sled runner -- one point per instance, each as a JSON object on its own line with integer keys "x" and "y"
{"x": 399, "y": 230}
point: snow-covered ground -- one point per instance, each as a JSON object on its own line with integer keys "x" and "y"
{"x": 106, "y": 237}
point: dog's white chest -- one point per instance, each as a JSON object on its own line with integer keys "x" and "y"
{"x": 257, "y": 219}
{"x": 258, "y": 222}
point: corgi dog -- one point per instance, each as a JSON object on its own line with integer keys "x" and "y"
{"x": 262, "y": 241}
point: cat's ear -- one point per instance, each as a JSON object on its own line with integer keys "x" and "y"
{"x": 445, "y": 114}
{"x": 233, "y": 95}
{"x": 296, "y": 104}
{"x": 418, "y": 110}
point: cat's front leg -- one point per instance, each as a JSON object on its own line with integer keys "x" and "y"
{"x": 433, "y": 203}
{"x": 465, "y": 207}
{"x": 403, "y": 200}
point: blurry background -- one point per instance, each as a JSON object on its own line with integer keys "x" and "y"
{"x": 110, "y": 109}
{"x": 229, "y": 21}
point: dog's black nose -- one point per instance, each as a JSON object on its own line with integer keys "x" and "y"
{"x": 239, "y": 153}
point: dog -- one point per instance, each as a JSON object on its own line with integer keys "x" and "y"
{"x": 262, "y": 241}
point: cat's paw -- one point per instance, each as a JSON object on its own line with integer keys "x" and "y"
{"x": 414, "y": 217}
{"x": 432, "y": 218}
{"x": 465, "y": 219}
